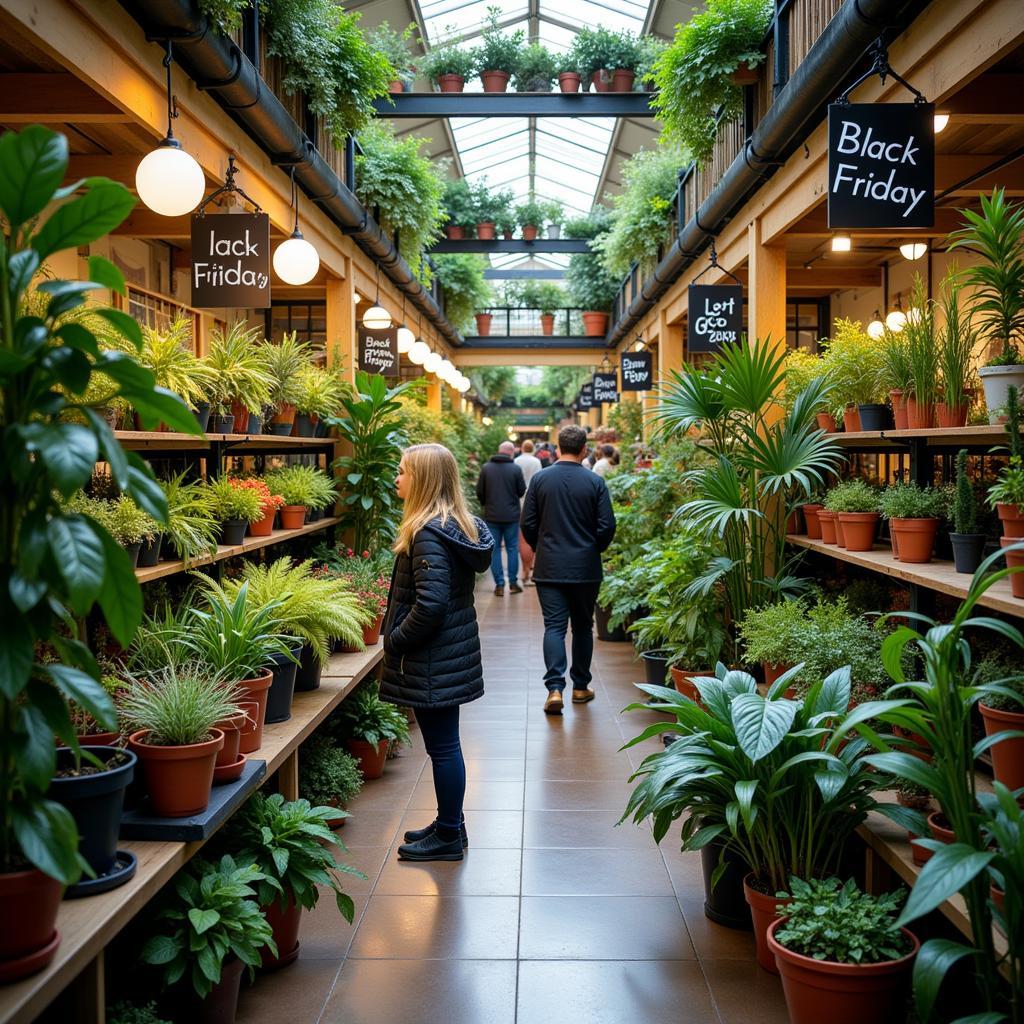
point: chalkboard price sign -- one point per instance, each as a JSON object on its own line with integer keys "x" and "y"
{"x": 637, "y": 371}
{"x": 378, "y": 351}
{"x": 586, "y": 399}
{"x": 715, "y": 316}
{"x": 231, "y": 261}
{"x": 881, "y": 165}
{"x": 606, "y": 388}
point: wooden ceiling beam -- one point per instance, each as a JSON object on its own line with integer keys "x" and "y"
{"x": 27, "y": 98}
{"x": 989, "y": 99}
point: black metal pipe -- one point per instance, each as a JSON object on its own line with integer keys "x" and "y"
{"x": 219, "y": 67}
{"x": 827, "y": 65}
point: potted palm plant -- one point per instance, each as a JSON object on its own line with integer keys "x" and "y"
{"x": 370, "y": 726}
{"x": 284, "y": 361}
{"x": 912, "y": 512}
{"x": 968, "y": 543}
{"x": 241, "y": 377}
{"x": 328, "y": 777}
{"x": 497, "y": 56}
{"x": 997, "y": 302}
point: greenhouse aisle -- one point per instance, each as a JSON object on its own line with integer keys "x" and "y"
{"x": 555, "y": 914}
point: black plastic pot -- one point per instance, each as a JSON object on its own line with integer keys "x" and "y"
{"x": 303, "y": 425}
{"x": 133, "y": 552}
{"x": 202, "y": 415}
{"x": 255, "y": 422}
{"x": 656, "y": 667}
{"x": 149, "y": 553}
{"x": 95, "y": 802}
{"x": 232, "y": 531}
{"x": 725, "y": 904}
{"x": 279, "y": 696}
{"x": 968, "y": 551}
{"x": 281, "y": 429}
{"x": 616, "y": 635}
{"x": 221, "y": 425}
{"x": 875, "y": 416}
{"x": 320, "y": 430}
{"x": 307, "y": 675}
{"x": 314, "y": 515}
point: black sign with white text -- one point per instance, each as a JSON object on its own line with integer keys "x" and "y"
{"x": 715, "y": 316}
{"x": 637, "y": 371}
{"x": 378, "y": 351}
{"x": 606, "y": 388}
{"x": 881, "y": 165}
{"x": 231, "y": 260}
{"x": 586, "y": 399}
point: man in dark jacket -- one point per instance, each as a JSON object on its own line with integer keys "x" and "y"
{"x": 568, "y": 521}
{"x": 498, "y": 489}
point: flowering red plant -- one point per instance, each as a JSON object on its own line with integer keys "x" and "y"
{"x": 252, "y": 483}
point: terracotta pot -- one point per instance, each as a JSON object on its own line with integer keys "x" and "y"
{"x": 763, "y": 909}
{"x": 595, "y": 324}
{"x": 919, "y": 417}
{"x": 178, "y": 779}
{"x": 483, "y": 324}
{"x": 859, "y": 529}
{"x": 923, "y": 749}
{"x": 455, "y": 232}
{"x": 1007, "y": 755}
{"x": 450, "y": 83}
{"x": 232, "y": 729}
{"x": 568, "y": 81}
{"x": 1011, "y": 518}
{"x": 495, "y": 81}
{"x": 1014, "y": 559}
{"x": 264, "y": 527}
{"x": 293, "y": 517}
{"x": 30, "y": 901}
{"x": 826, "y": 422}
{"x": 371, "y": 759}
{"x": 284, "y": 414}
{"x": 683, "y": 680}
{"x": 744, "y": 74}
{"x": 840, "y": 532}
{"x": 601, "y": 80}
{"x": 241, "y": 413}
{"x": 899, "y": 408}
{"x": 851, "y": 419}
{"x": 547, "y": 324}
{"x": 772, "y": 672}
{"x": 285, "y": 924}
{"x": 255, "y": 691}
{"x": 395, "y": 86}
{"x": 938, "y": 825}
{"x": 951, "y": 416}
{"x": 827, "y": 521}
{"x": 529, "y": 232}
{"x": 811, "y": 519}
{"x": 894, "y": 542}
{"x": 793, "y": 522}
{"x": 485, "y": 230}
{"x": 96, "y": 739}
{"x": 622, "y": 80}
{"x": 371, "y": 633}
{"x": 998, "y": 898}
{"x": 508, "y": 234}
{"x": 820, "y": 990}
{"x": 915, "y": 538}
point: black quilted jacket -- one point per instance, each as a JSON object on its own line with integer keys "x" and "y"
{"x": 431, "y": 637}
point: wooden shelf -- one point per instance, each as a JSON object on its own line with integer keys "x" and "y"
{"x": 158, "y": 440}
{"x": 87, "y": 925}
{"x": 939, "y": 576}
{"x": 936, "y": 437}
{"x": 162, "y": 569}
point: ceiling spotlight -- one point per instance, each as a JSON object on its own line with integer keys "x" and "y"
{"x": 419, "y": 352}
{"x": 433, "y": 362}
{"x": 406, "y": 340}
{"x": 296, "y": 261}
{"x": 941, "y": 120}
{"x": 913, "y": 250}
{"x": 842, "y": 243}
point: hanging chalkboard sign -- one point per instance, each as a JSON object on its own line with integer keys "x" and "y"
{"x": 881, "y": 165}
{"x": 586, "y": 400}
{"x": 231, "y": 261}
{"x": 378, "y": 351}
{"x": 637, "y": 371}
{"x": 606, "y": 388}
{"x": 715, "y": 316}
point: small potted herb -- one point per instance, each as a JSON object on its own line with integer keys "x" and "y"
{"x": 536, "y": 69}
{"x": 447, "y": 64}
{"x": 370, "y": 726}
{"x": 498, "y": 55}
{"x": 841, "y": 954}
{"x": 295, "y": 485}
{"x": 235, "y": 507}
{"x": 773, "y": 637}
{"x": 855, "y": 506}
{"x": 567, "y": 69}
{"x": 913, "y": 515}
{"x": 554, "y": 215}
{"x": 328, "y": 777}
{"x": 210, "y": 929}
{"x": 530, "y": 216}
{"x": 968, "y": 543}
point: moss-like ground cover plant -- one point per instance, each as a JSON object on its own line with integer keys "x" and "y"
{"x": 58, "y": 566}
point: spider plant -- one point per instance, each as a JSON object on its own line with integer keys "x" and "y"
{"x": 170, "y": 356}
{"x": 767, "y": 461}
{"x": 239, "y": 368}
{"x": 284, "y": 361}
{"x": 191, "y": 523}
{"x": 319, "y": 391}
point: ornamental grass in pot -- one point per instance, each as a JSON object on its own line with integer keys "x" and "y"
{"x": 369, "y": 727}
{"x": 328, "y": 777}
{"x": 236, "y": 506}
{"x": 968, "y": 543}
{"x": 292, "y": 846}
{"x": 842, "y": 957}
{"x": 957, "y": 342}
{"x": 192, "y": 528}
{"x": 855, "y": 505}
{"x": 284, "y": 360}
{"x": 922, "y": 348}
{"x": 913, "y": 514}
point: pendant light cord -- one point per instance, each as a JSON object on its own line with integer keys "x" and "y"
{"x": 295, "y": 202}
{"x": 171, "y": 112}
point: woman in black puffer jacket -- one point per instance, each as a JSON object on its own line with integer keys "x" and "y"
{"x": 431, "y": 638}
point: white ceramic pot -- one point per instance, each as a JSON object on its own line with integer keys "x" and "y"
{"x": 997, "y": 381}
{"x": 554, "y": 231}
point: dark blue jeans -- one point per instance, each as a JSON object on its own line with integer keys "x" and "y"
{"x": 509, "y": 533}
{"x": 440, "y": 730}
{"x": 562, "y": 604}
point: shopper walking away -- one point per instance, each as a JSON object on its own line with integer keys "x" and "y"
{"x": 529, "y": 464}
{"x": 431, "y": 638}
{"x": 607, "y": 460}
{"x": 568, "y": 520}
{"x": 498, "y": 489}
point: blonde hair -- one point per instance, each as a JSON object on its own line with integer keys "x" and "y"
{"x": 435, "y": 491}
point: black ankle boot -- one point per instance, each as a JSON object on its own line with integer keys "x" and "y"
{"x": 415, "y": 834}
{"x": 432, "y": 847}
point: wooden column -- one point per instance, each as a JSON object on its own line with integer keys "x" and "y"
{"x": 341, "y": 323}
{"x": 670, "y": 347}
{"x": 455, "y": 399}
{"x": 766, "y": 309}
{"x": 433, "y": 393}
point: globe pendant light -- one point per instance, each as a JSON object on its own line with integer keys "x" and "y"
{"x": 419, "y": 352}
{"x": 876, "y": 329}
{"x": 446, "y": 371}
{"x": 897, "y": 319}
{"x": 296, "y": 261}
{"x": 433, "y": 362}
{"x": 406, "y": 340}
{"x": 168, "y": 180}
{"x": 377, "y": 318}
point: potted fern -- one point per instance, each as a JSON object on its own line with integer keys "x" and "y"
{"x": 192, "y": 528}
{"x": 497, "y": 57}
{"x": 968, "y": 543}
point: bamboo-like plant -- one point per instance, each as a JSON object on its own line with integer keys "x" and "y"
{"x": 239, "y": 368}
{"x": 170, "y": 357}
{"x": 957, "y": 342}
{"x": 922, "y": 347}
{"x": 896, "y": 371}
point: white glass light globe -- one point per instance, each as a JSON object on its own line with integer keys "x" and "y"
{"x": 446, "y": 371}
{"x": 406, "y": 340}
{"x": 419, "y": 352}
{"x": 913, "y": 250}
{"x": 296, "y": 261}
{"x": 463, "y": 385}
{"x": 433, "y": 362}
{"x": 941, "y": 120}
{"x": 170, "y": 182}
{"x": 876, "y": 330}
{"x": 377, "y": 318}
{"x": 896, "y": 321}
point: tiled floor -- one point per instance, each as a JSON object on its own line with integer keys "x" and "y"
{"x": 556, "y": 914}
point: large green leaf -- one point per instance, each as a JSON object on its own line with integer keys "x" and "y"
{"x": 934, "y": 959}
{"x": 84, "y": 219}
{"x": 761, "y": 725}
{"x": 120, "y": 596}
{"x": 80, "y": 687}
{"x": 16, "y": 651}
{"x": 944, "y": 875}
{"x": 32, "y": 166}
{"x": 78, "y": 553}
{"x": 48, "y": 838}
{"x": 203, "y": 920}
{"x": 68, "y": 452}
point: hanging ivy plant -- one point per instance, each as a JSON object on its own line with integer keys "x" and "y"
{"x": 465, "y": 289}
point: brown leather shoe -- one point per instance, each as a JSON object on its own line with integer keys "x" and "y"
{"x": 553, "y": 705}
{"x": 499, "y": 591}
{"x": 514, "y": 588}
{"x": 582, "y": 696}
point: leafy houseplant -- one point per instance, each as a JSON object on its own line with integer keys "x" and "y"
{"x": 694, "y": 82}
{"x": 234, "y": 507}
{"x": 370, "y": 727}
{"x": 270, "y": 504}
{"x": 855, "y": 506}
{"x": 535, "y": 71}
{"x": 241, "y": 378}
{"x": 913, "y": 513}
{"x": 192, "y": 527}
{"x": 448, "y": 64}
{"x": 210, "y": 930}
{"x": 170, "y": 357}
{"x": 57, "y": 565}
{"x": 599, "y": 53}
{"x": 461, "y": 275}
{"x": 957, "y": 342}
{"x": 773, "y": 636}
{"x": 968, "y": 543}
{"x": 460, "y": 207}
{"x": 302, "y": 487}
{"x": 395, "y": 47}
{"x": 318, "y": 395}
{"x": 328, "y": 776}
{"x": 284, "y": 361}
{"x": 497, "y": 57}
{"x": 568, "y": 71}
{"x": 530, "y": 216}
